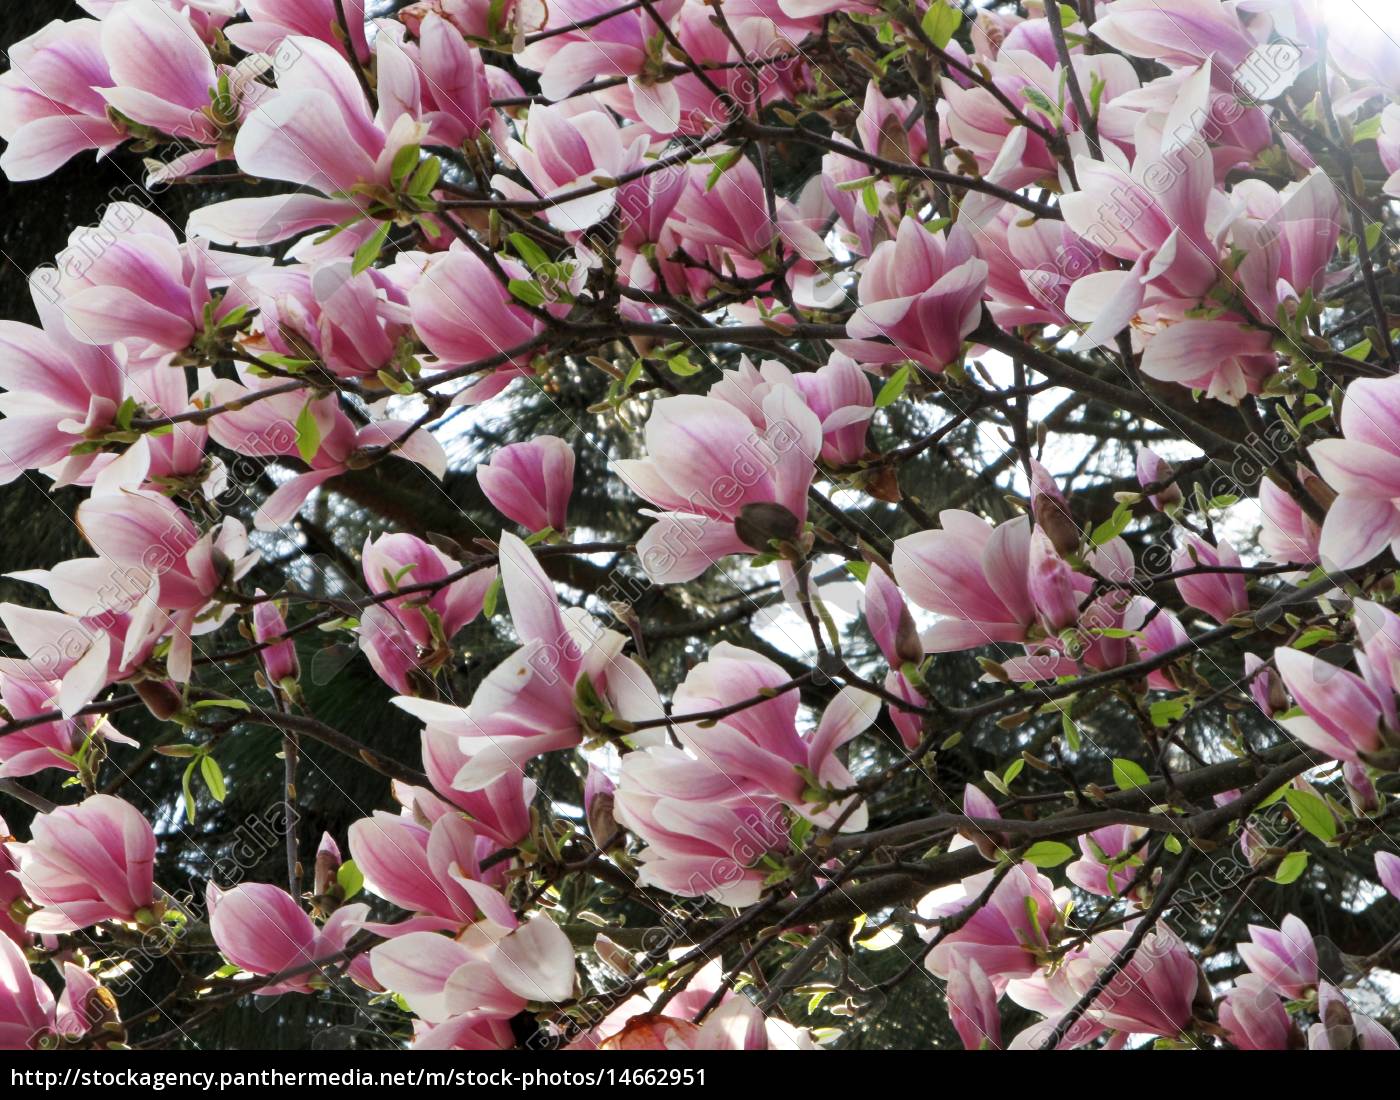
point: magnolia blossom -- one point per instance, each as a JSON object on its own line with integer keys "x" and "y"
{"x": 261, "y": 929}
{"x": 31, "y": 1019}
{"x": 1364, "y": 469}
{"x": 1342, "y": 713}
{"x": 893, "y": 629}
{"x": 87, "y": 863}
{"x": 1153, "y": 994}
{"x": 494, "y": 968}
{"x": 423, "y": 870}
{"x": 531, "y": 482}
{"x": 51, "y": 108}
{"x": 1342, "y": 1028}
{"x": 566, "y": 675}
{"x": 1004, "y": 937}
{"x": 1254, "y": 1016}
{"x": 1284, "y": 957}
{"x": 716, "y": 463}
{"x": 1220, "y": 595}
{"x": 920, "y": 298}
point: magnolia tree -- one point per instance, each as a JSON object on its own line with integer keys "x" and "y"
{"x": 959, "y": 585}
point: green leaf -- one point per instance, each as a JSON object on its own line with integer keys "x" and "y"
{"x": 368, "y": 252}
{"x": 1312, "y": 813}
{"x": 534, "y": 256}
{"x": 1048, "y": 853}
{"x": 493, "y": 595}
{"x": 425, "y": 178}
{"x": 1013, "y": 770}
{"x": 1291, "y": 867}
{"x": 1114, "y": 526}
{"x": 125, "y": 413}
{"x": 308, "y": 434}
{"x": 722, "y": 164}
{"x": 941, "y": 22}
{"x": 1071, "y": 731}
{"x": 405, "y": 161}
{"x": 1068, "y": 16}
{"x": 350, "y": 878}
{"x": 859, "y": 569}
{"x": 681, "y": 366}
{"x": 1127, "y": 774}
{"x": 1164, "y": 712}
{"x": 891, "y": 391}
{"x": 527, "y": 292}
{"x": 1358, "y": 351}
{"x": 1366, "y": 131}
{"x": 1373, "y": 235}
{"x": 213, "y": 777}
{"x": 1173, "y": 845}
{"x": 232, "y": 704}
{"x": 188, "y": 788}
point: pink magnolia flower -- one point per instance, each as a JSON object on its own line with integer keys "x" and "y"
{"x": 669, "y": 102}
{"x": 1343, "y": 1028}
{"x": 160, "y": 550}
{"x": 500, "y": 810}
{"x": 972, "y": 573}
{"x": 1254, "y": 1017}
{"x": 1289, "y": 534}
{"x": 434, "y": 616}
{"x": 728, "y": 222}
{"x": 531, "y": 482}
{"x": 351, "y": 324}
{"x": 616, "y": 46}
{"x": 1110, "y": 860}
{"x": 1220, "y": 595}
{"x": 1186, "y": 33}
{"x": 892, "y": 627}
{"x": 839, "y": 393}
{"x": 129, "y": 279}
{"x": 163, "y": 78}
{"x": 50, "y": 106}
{"x": 316, "y": 131}
{"x": 29, "y": 1016}
{"x": 1005, "y": 936}
{"x": 921, "y": 292}
{"x": 1169, "y": 236}
{"x": 564, "y": 149}
{"x": 1364, "y": 468}
{"x": 705, "y": 835}
{"x": 261, "y": 929}
{"x": 1030, "y": 268}
{"x": 59, "y": 391}
{"x": 1388, "y": 871}
{"x": 736, "y": 1024}
{"x": 972, "y": 1006}
{"x": 275, "y": 426}
{"x": 493, "y": 326}
{"x": 423, "y": 870}
{"x": 1222, "y": 356}
{"x": 1388, "y": 145}
{"x": 1055, "y": 588}
{"x": 480, "y": 19}
{"x": 1342, "y": 714}
{"x": 10, "y": 891}
{"x": 96, "y": 638}
{"x": 87, "y": 863}
{"x": 494, "y": 968}
{"x": 278, "y": 659}
{"x": 273, "y": 21}
{"x": 567, "y": 673}
{"x": 761, "y": 745}
{"x": 1153, "y": 994}
{"x": 45, "y": 744}
{"x": 715, "y": 463}
{"x": 1284, "y": 957}
{"x": 1287, "y": 238}
{"x": 1153, "y": 469}
{"x": 445, "y": 82}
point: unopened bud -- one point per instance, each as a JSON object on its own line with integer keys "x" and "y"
{"x": 760, "y": 523}
{"x": 162, "y": 700}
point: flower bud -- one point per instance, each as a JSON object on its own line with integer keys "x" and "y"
{"x": 762, "y": 522}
